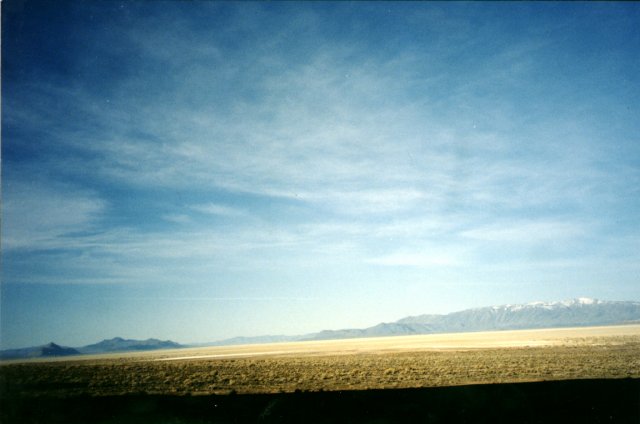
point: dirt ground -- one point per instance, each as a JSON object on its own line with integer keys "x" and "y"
{"x": 393, "y": 362}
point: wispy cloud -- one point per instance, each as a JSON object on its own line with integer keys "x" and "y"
{"x": 177, "y": 218}
{"x": 421, "y": 260}
{"x": 36, "y": 213}
{"x": 524, "y": 232}
{"x": 342, "y": 135}
{"x": 217, "y": 209}
{"x": 366, "y": 145}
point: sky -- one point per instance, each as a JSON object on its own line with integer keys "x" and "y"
{"x": 195, "y": 171}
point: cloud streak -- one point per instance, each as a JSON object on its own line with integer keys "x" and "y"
{"x": 526, "y": 232}
{"x": 36, "y": 213}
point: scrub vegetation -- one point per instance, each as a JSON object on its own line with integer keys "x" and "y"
{"x": 582, "y": 358}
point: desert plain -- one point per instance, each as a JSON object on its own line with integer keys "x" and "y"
{"x": 419, "y": 361}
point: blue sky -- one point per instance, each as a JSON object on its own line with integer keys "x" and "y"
{"x": 196, "y": 171}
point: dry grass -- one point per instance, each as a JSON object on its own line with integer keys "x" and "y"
{"x": 398, "y": 362}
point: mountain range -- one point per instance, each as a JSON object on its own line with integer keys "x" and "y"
{"x": 117, "y": 344}
{"x": 46, "y": 351}
{"x": 579, "y": 312}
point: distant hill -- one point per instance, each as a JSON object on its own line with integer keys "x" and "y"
{"x": 579, "y": 312}
{"x": 50, "y": 350}
{"x": 116, "y": 344}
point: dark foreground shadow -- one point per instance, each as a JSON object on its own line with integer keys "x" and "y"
{"x": 573, "y": 401}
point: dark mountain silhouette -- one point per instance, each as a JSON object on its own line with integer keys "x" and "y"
{"x": 47, "y": 351}
{"x": 118, "y": 344}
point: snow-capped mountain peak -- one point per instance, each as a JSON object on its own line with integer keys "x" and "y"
{"x": 582, "y": 311}
{"x": 580, "y": 301}
{"x": 587, "y": 301}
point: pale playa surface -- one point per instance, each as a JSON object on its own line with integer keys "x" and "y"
{"x": 478, "y": 340}
{"x": 449, "y": 341}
